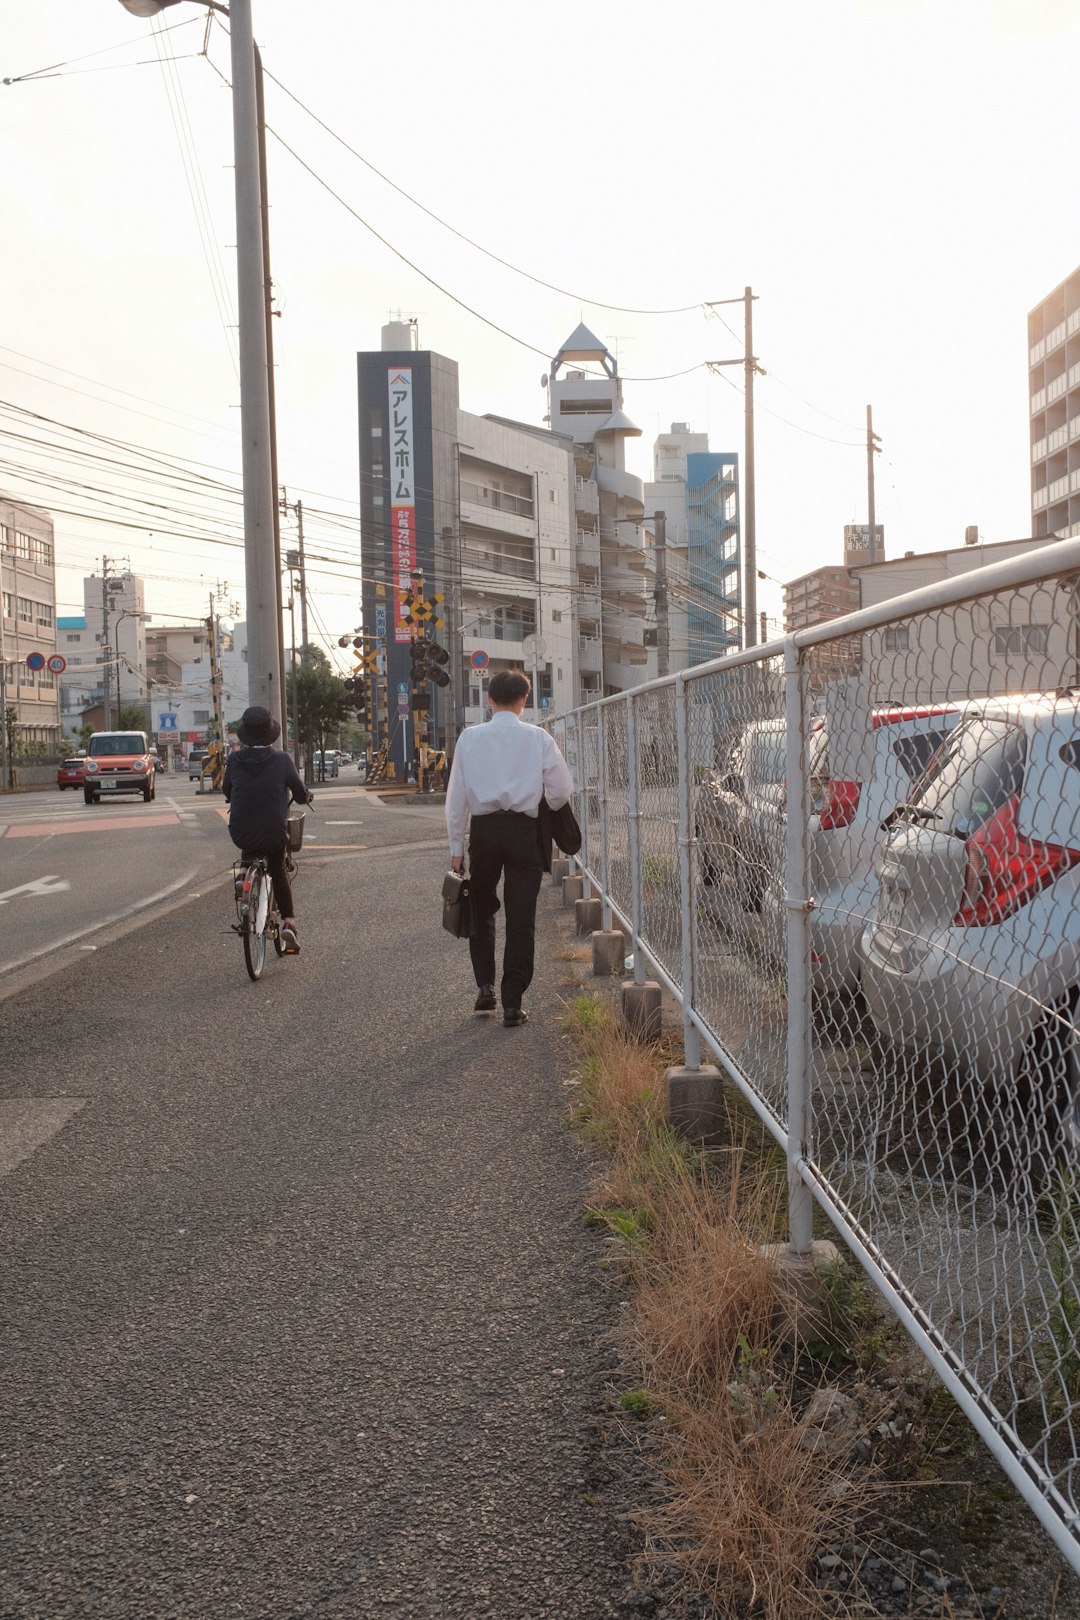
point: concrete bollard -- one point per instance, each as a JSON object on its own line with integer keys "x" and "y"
{"x": 641, "y": 1009}
{"x": 588, "y": 915}
{"x": 695, "y": 1104}
{"x": 608, "y": 953}
{"x": 572, "y": 888}
{"x": 560, "y": 868}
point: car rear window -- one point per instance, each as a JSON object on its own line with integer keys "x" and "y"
{"x": 978, "y": 769}
{"x": 916, "y": 751}
{"x": 118, "y": 742}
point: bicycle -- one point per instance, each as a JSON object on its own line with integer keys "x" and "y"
{"x": 258, "y": 918}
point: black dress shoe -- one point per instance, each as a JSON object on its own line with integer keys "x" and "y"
{"x": 485, "y": 1001}
{"x": 513, "y": 1016}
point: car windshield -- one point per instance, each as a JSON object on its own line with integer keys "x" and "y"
{"x": 977, "y": 770}
{"x": 916, "y": 752}
{"x": 117, "y": 742}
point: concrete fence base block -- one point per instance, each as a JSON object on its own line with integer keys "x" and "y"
{"x": 804, "y": 1312}
{"x": 695, "y": 1104}
{"x": 560, "y": 868}
{"x": 572, "y": 888}
{"x": 588, "y": 915}
{"x": 641, "y": 1010}
{"x": 608, "y": 953}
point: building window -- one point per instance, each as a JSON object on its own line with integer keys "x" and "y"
{"x": 1020, "y": 640}
{"x": 200, "y": 717}
{"x": 556, "y": 615}
{"x": 75, "y": 638}
{"x": 897, "y": 638}
{"x": 553, "y": 496}
{"x": 44, "y": 615}
{"x": 22, "y": 545}
{"x": 46, "y": 679}
{"x": 7, "y": 604}
{"x": 5, "y": 537}
{"x": 26, "y": 610}
{"x": 586, "y": 407}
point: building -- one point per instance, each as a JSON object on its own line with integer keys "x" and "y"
{"x": 697, "y": 490}
{"x": 28, "y": 625}
{"x": 105, "y": 648}
{"x": 1022, "y": 640}
{"x": 613, "y": 594}
{"x": 478, "y": 510}
{"x": 1054, "y": 405}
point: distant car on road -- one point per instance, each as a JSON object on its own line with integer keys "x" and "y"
{"x": 194, "y": 764}
{"x": 70, "y": 774}
{"x": 325, "y": 766}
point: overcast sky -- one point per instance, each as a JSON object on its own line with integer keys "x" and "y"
{"x": 895, "y": 178}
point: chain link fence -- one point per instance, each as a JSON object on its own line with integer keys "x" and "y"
{"x": 854, "y": 858}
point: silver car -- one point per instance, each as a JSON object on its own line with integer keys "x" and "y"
{"x": 972, "y": 954}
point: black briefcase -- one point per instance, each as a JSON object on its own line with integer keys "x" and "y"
{"x": 458, "y": 910}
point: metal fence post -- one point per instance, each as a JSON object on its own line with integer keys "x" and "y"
{"x": 602, "y": 795}
{"x": 634, "y": 818}
{"x": 691, "y": 1035}
{"x": 799, "y": 1131}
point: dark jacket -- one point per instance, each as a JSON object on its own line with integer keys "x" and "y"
{"x": 259, "y": 784}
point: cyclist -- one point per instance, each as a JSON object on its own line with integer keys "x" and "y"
{"x": 260, "y": 782}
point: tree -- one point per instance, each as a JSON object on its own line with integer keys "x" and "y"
{"x": 131, "y": 717}
{"x": 321, "y": 698}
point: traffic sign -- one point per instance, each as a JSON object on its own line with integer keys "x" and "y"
{"x": 479, "y": 660}
{"x": 168, "y": 722}
{"x": 57, "y": 664}
{"x": 35, "y": 660}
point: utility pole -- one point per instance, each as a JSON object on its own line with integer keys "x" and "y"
{"x": 764, "y": 633}
{"x": 873, "y": 445}
{"x": 749, "y": 503}
{"x": 660, "y": 596}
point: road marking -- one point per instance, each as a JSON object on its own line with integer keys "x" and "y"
{"x": 46, "y": 829}
{"x": 344, "y": 823}
{"x": 28, "y": 1122}
{"x": 42, "y": 885}
{"x": 106, "y": 922}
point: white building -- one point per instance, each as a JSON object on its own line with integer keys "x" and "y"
{"x": 697, "y": 490}
{"x": 611, "y": 590}
{"x": 28, "y": 622}
{"x": 1054, "y": 406}
{"x": 105, "y": 648}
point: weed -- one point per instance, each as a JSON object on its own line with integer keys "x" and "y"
{"x": 1063, "y": 1367}
{"x": 638, "y": 1402}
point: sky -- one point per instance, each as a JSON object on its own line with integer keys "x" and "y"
{"x": 896, "y": 179}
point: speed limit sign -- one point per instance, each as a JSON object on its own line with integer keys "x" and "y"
{"x": 56, "y": 664}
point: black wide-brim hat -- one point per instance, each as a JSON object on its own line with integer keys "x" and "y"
{"x": 257, "y": 728}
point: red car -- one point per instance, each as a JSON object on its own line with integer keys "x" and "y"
{"x": 70, "y": 774}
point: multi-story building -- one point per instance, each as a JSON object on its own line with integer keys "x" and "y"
{"x": 28, "y": 623}
{"x": 612, "y": 590}
{"x": 105, "y": 648}
{"x": 1054, "y": 405}
{"x": 697, "y": 490}
{"x": 828, "y": 592}
{"x": 476, "y": 509}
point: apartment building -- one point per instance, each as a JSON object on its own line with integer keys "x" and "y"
{"x": 105, "y": 648}
{"x": 28, "y": 624}
{"x": 697, "y": 490}
{"x": 1054, "y": 406}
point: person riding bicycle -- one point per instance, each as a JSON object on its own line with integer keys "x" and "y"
{"x": 260, "y": 782}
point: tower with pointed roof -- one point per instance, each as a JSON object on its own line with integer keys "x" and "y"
{"x": 611, "y": 589}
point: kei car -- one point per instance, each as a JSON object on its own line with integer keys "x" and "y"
{"x": 118, "y": 762}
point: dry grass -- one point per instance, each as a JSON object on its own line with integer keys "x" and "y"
{"x": 749, "y": 1506}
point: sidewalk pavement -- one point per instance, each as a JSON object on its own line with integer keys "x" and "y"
{"x": 300, "y": 1315}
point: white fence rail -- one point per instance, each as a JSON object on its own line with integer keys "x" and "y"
{"x": 854, "y": 858}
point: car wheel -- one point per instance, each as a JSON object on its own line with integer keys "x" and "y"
{"x": 88, "y": 797}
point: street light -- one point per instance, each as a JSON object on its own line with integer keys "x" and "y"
{"x": 265, "y": 659}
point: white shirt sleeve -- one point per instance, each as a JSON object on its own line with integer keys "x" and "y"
{"x": 558, "y": 783}
{"x": 457, "y": 802}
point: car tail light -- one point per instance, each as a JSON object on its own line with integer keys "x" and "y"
{"x": 1005, "y": 870}
{"x": 839, "y": 804}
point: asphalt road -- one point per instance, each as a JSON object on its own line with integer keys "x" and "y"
{"x": 298, "y": 1314}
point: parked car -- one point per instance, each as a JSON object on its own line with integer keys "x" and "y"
{"x": 118, "y": 762}
{"x": 325, "y": 766}
{"x": 742, "y": 808}
{"x": 194, "y": 764}
{"x": 972, "y": 952}
{"x": 70, "y": 773}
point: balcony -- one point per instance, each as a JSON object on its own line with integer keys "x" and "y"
{"x": 1038, "y": 499}
{"x": 587, "y": 552}
{"x": 1059, "y": 386}
{"x": 1055, "y": 440}
{"x": 1058, "y": 489}
{"x": 1038, "y": 402}
{"x": 590, "y": 653}
{"x": 497, "y": 500}
{"x": 586, "y": 502}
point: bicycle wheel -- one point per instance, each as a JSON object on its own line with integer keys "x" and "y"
{"x": 258, "y": 903}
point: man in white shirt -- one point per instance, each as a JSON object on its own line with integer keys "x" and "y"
{"x": 501, "y": 772}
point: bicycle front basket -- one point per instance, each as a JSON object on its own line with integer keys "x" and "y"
{"x": 294, "y": 828}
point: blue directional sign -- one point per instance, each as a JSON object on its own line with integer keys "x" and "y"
{"x": 168, "y": 722}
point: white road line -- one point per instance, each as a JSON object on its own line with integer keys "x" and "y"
{"x": 38, "y": 886}
{"x": 106, "y": 922}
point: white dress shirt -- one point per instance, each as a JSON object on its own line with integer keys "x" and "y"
{"x": 503, "y": 765}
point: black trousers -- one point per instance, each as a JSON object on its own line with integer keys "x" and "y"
{"x": 504, "y": 845}
{"x": 275, "y": 863}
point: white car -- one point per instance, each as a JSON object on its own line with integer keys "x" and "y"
{"x": 325, "y": 765}
{"x": 972, "y": 953}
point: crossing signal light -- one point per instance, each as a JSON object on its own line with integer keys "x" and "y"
{"x": 439, "y": 676}
{"x": 437, "y": 654}
{"x": 420, "y": 701}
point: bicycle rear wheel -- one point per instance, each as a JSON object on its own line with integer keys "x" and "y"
{"x": 258, "y": 903}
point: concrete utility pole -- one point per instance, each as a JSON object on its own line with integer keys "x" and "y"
{"x": 873, "y": 445}
{"x": 660, "y": 596}
{"x": 106, "y": 650}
